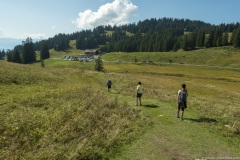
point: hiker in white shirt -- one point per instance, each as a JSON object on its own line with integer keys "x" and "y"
{"x": 139, "y": 93}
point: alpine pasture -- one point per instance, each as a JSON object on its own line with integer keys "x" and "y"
{"x": 63, "y": 110}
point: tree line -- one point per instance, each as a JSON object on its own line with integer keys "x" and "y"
{"x": 159, "y": 35}
{"x": 26, "y": 53}
{"x": 150, "y": 35}
{"x": 2, "y": 54}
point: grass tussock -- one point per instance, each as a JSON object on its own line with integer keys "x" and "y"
{"x": 51, "y": 115}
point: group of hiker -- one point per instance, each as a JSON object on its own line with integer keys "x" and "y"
{"x": 181, "y": 98}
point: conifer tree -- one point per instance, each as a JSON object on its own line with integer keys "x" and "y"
{"x": 191, "y": 40}
{"x": 236, "y": 38}
{"x": 28, "y": 53}
{"x": 9, "y": 57}
{"x": 209, "y": 39}
{"x": 200, "y": 38}
{"x": 184, "y": 43}
{"x": 1, "y": 57}
{"x": 2, "y": 54}
{"x": 176, "y": 46}
{"x": 44, "y": 51}
{"x": 16, "y": 56}
{"x": 98, "y": 65}
{"x": 217, "y": 40}
{"x": 225, "y": 39}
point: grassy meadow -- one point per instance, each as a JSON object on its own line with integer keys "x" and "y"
{"x": 63, "y": 110}
{"x": 50, "y": 113}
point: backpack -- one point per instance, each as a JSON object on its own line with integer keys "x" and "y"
{"x": 109, "y": 82}
{"x": 183, "y": 96}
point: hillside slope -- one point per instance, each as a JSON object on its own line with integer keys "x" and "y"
{"x": 218, "y": 57}
{"x": 63, "y": 111}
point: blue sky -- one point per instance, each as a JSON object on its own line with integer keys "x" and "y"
{"x": 45, "y": 18}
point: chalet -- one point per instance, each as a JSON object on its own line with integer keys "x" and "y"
{"x": 91, "y": 52}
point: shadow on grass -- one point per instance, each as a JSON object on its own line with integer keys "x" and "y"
{"x": 114, "y": 92}
{"x": 151, "y": 106}
{"x": 202, "y": 120}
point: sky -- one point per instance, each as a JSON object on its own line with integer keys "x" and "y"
{"x": 20, "y": 19}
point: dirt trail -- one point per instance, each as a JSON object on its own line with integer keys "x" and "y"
{"x": 173, "y": 139}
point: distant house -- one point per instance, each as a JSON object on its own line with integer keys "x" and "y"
{"x": 91, "y": 52}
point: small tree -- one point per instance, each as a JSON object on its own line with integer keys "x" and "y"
{"x": 42, "y": 62}
{"x": 98, "y": 65}
{"x": 44, "y": 51}
{"x": 135, "y": 60}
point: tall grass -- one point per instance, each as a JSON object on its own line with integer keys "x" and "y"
{"x": 49, "y": 113}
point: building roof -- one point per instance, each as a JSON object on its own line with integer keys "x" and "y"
{"x": 91, "y": 50}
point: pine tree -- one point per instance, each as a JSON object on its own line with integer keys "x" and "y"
{"x": 191, "y": 40}
{"x": 176, "y": 46}
{"x": 16, "y": 56}
{"x": 209, "y": 39}
{"x": 200, "y": 38}
{"x": 44, "y": 51}
{"x": 184, "y": 43}
{"x": 98, "y": 65}
{"x": 225, "y": 39}
{"x": 9, "y": 57}
{"x": 28, "y": 52}
{"x": 42, "y": 63}
{"x": 1, "y": 55}
{"x": 236, "y": 38}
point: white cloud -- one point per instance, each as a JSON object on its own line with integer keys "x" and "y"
{"x": 115, "y": 13}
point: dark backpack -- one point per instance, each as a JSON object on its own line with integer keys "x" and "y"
{"x": 183, "y": 96}
{"x": 109, "y": 82}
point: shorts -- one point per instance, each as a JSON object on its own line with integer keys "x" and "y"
{"x": 109, "y": 86}
{"x": 139, "y": 95}
{"x": 182, "y": 105}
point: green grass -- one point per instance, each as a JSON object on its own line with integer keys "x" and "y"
{"x": 211, "y": 93}
{"x": 213, "y": 105}
{"x": 60, "y": 63}
{"x": 223, "y": 57}
{"x": 210, "y": 116}
{"x": 63, "y": 110}
{"x": 52, "y": 113}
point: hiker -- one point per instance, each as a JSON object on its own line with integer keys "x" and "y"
{"x": 109, "y": 85}
{"x": 182, "y": 100}
{"x": 139, "y": 93}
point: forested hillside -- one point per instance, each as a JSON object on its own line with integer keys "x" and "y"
{"x": 158, "y": 35}
{"x": 151, "y": 35}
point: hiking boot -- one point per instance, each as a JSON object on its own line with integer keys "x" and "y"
{"x": 177, "y": 116}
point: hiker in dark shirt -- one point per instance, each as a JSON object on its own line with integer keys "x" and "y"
{"x": 109, "y": 85}
{"x": 182, "y": 100}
